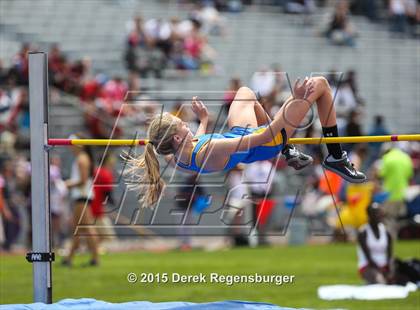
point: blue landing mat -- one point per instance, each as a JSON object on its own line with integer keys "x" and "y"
{"x": 93, "y": 304}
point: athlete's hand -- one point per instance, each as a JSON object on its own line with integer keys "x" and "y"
{"x": 199, "y": 109}
{"x": 303, "y": 90}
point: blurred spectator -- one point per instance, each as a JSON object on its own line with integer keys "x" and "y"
{"x": 396, "y": 170}
{"x": 132, "y": 108}
{"x": 159, "y": 32}
{"x": 404, "y": 16}
{"x": 147, "y": 45}
{"x": 413, "y": 18}
{"x": 58, "y": 202}
{"x": 378, "y": 129}
{"x": 415, "y": 155}
{"x": 188, "y": 198}
{"x": 346, "y": 96}
{"x": 330, "y": 184}
{"x": 192, "y": 48}
{"x": 65, "y": 75}
{"x": 5, "y": 214}
{"x": 197, "y": 51}
{"x": 20, "y": 64}
{"x": 238, "y": 210}
{"x": 282, "y": 85}
{"x": 397, "y": 12}
{"x": 58, "y": 67}
{"x": 179, "y": 28}
{"x": 18, "y": 118}
{"x": 334, "y": 78}
{"x": 6, "y": 109}
{"x": 374, "y": 250}
{"x": 264, "y": 83}
{"x": 99, "y": 106}
{"x": 137, "y": 35}
{"x": 8, "y": 147}
{"x": 300, "y": 6}
{"x": 351, "y": 81}
{"x": 313, "y": 149}
{"x": 80, "y": 185}
{"x": 23, "y": 178}
{"x": 359, "y": 155}
{"x": 134, "y": 86}
{"x": 156, "y": 44}
{"x": 147, "y": 108}
{"x": 81, "y": 72}
{"x": 368, "y": 8}
{"x": 103, "y": 186}
{"x": 114, "y": 92}
{"x": 356, "y": 200}
{"x": 259, "y": 176}
{"x": 103, "y": 101}
{"x": 3, "y": 73}
{"x": 232, "y": 6}
{"x": 92, "y": 88}
{"x": 353, "y": 128}
{"x": 234, "y": 84}
{"x": 340, "y": 31}
{"x": 207, "y": 14}
{"x": 12, "y": 202}
{"x": 131, "y": 62}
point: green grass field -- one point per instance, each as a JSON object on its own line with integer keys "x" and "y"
{"x": 312, "y": 266}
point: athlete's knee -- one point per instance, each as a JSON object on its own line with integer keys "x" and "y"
{"x": 321, "y": 82}
{"x": 245, "y": 93}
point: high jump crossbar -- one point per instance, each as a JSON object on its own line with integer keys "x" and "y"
{"x": 134, "y": 142}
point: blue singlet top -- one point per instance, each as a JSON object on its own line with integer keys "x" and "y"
{"x": 260, "y": 152}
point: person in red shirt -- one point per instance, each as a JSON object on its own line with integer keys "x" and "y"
{"x": 103, "y": 185}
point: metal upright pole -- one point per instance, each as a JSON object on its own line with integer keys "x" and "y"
{"x": 41, "y": 255}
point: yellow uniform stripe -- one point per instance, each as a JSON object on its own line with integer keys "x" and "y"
{"x": 277, "y": 140}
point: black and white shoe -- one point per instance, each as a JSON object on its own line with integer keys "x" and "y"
{"x": 295, "y": 158}
{"x": 344, "y": 168}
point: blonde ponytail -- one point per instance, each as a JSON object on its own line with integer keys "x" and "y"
{"x": 144, "y": 170}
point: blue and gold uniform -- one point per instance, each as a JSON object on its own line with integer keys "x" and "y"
{"x": 260, "y": 152}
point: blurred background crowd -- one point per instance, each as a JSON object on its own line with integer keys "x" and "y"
{"x": 162, "y": 52}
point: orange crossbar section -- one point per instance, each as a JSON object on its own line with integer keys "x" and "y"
{"x": 133, "y": 142}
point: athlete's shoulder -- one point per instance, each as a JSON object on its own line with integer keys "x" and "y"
{"x": 207, "y": 136}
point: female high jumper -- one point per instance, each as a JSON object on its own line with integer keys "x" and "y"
{"x": 252, "y": 137}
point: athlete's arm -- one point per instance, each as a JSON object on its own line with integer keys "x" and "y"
{"x": 202, "y": 114}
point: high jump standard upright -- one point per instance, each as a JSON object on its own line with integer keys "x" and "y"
{"x": 41, "y": 255}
